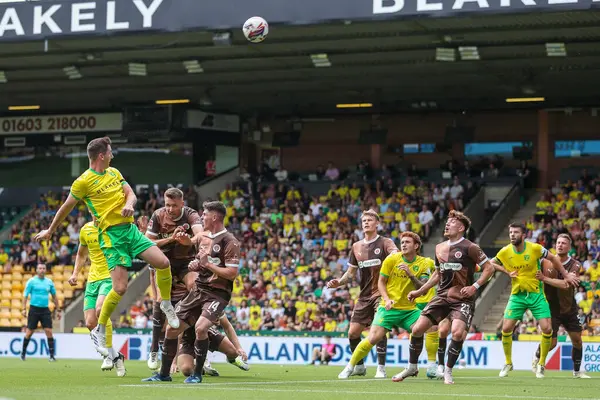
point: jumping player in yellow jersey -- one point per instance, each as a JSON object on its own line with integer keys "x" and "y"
{"x": 97, "y": 287}
{"x": 521, "y": 261}
{"x": 111, "y": 200}
{"x": 401, "y": 273}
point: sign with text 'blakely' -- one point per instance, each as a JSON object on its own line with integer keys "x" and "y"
{"x": 76, "y": 123}
{"x": 51, "y": 18}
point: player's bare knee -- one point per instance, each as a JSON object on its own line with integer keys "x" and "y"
{"x": 162, "y": 263}
{"x": 91, "y": 323}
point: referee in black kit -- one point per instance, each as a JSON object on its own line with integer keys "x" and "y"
{"x": 39, "y": 287}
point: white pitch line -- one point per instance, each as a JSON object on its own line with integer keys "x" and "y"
{"x": 481, "y": 396}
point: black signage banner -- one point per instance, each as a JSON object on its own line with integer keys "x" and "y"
{"x": 54, "y": 18}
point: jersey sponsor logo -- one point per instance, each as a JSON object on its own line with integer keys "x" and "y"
{"x": 451, "y": 266}
{"x": 377, "y": 251}
{"x": 214, "y": 260}
{"x": 216, "y": 248}
{"x": 369, "y": 263}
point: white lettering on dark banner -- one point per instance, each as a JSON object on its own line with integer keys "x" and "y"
{"x": 423, "y": 6}
{"x": 82, "y": 17}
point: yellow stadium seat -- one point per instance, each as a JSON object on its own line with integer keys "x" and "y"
{"x": 27, "y": 277}
{"x": 16, "y": 323}
{"x": 60, "y": 296}
{"x": 6, "y": 294}
{"x": 7, "y": 277}
{"x": 69, "y": 269}
{"x": 5, "y": 313}
{"x": 4, "y": 322}
{"x": 58, "y": 285}
{"x": 80, "y": 284}
{"x": 16, "y": 314}
{"x": 68, "y": 293}
{"x": 17, "y": 276}
{"x": 57, "y": 269}
{"x": 6, "y": 285}
{"x": 16, "y": 303}
{"x": 16, "y": 294}
{"x": 5, "y": 302}
{"x": 18, "y": 268}
{"x": 18, "y": 285}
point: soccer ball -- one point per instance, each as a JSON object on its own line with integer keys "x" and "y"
{"x": 256, "y": 29}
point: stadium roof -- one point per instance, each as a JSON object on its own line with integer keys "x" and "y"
{"x": 389, "y": 64}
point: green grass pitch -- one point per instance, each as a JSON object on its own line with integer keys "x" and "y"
{"x": 74, "y": 379}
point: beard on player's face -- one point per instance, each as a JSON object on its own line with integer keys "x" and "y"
{"x": 516, "y": 240}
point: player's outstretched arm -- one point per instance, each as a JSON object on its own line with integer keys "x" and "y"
{"x": 558, "y": 283}
{"x": 232, "y": 336}
{"x": 60, "y": 216}
{"x": 570, "y": 278}
{"x": 80, "y": 260}
{"x": 347, "y": 277}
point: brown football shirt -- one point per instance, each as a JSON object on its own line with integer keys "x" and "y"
{"x": 457, "y": 263}
{"x": 562, "y": 301}
{"x": 368, "y": 257}
{"x": 223, "y": 250}
{"x": 162, "y": 225}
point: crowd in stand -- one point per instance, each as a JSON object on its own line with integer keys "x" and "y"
{"x": 573, "y": 208}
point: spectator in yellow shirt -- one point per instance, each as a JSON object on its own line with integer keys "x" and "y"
{"x": 255, "y": 322}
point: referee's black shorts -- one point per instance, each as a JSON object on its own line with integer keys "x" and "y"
{"x": 37, "y": 315}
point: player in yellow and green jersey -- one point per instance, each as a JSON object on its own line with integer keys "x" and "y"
{"x": 401, "y": 273}
{"x": 97, "y": 287}
{"x": 521, "y": 261}
{"x": 111, "y": 201}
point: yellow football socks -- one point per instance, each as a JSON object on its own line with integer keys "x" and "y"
{"x": 164, "y": 281}
{"x": 507, "y": 346}
{"x": 432, "y": 343}
{"x": 110, "y": 304}
{"x": 362, "y": 350}
{"x": 109, "y": 332}
{"x": 545, "y": 347}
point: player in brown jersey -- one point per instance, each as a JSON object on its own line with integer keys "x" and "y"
{"x": 563, "y": 307}
{"x": 367, "y": 257}
{"x": 163, "y": 227}
{"x": 217, "y": 263}
{"x": 455, "y": 265}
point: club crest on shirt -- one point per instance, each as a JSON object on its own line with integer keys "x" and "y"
{"x": 216, "y": 248}
{"x": 377, "y": 251}
{"x": 458, "y": 254}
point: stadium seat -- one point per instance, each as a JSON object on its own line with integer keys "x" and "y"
{"x": 68, "y": 293}
{"x": 26, "y": 277}
{"x": 5, "y": 302}
{"x": 6, "y": 285}
{"x": 18, "y": 268}
{"x": 15, "y": 323}
{"x": 6, "y": 277}
{"x": 5, "y": 313}
{"x": 17, "y": 276}
{"x": 4, "y": 322}
{"x": 16, "y": 294}
{"x": 58, "y": 285}
{"x": 18, "y": 285}
{"x": 16, "y": 314}
{"x": 6, "y": 294}
{"x": 16, "y": 303}
{"x": 57, "y": 269}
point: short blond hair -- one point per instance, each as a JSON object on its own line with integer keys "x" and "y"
{"x": 371, "y": 213}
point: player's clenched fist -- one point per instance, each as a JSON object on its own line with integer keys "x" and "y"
{"x": 413, "y": 295}
{"x": 127, "y": 211}
{"x": 334, "y": 283}
{"x": 43, "y": 235}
